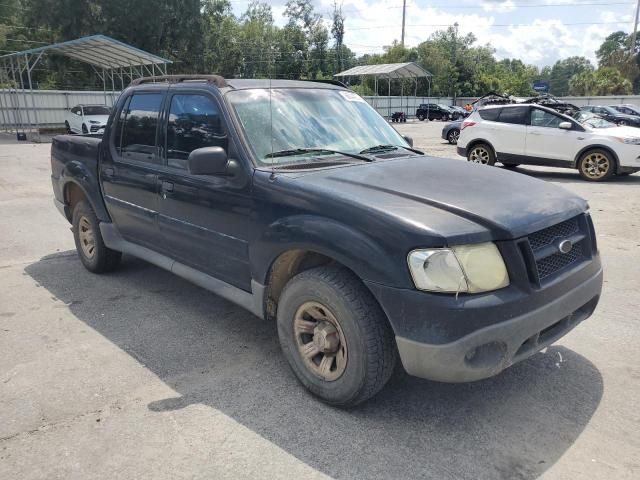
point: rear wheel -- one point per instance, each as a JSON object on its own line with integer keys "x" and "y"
{"x": 67, "y": 127}
{"x": 335, "y": 336}
{"x": 596, "y": 165}
{"x": 453, "y": 136}
{"x": 623, "y": 123}
{"x": 94, "y": 254}
{"x": 421, "y": 117}
{"x": 481, "y": 153}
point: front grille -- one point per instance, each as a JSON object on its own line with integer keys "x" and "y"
{"x": 549, "y": 265}
{"x": 546, "y": 258}
{"x": 549, "y": 235}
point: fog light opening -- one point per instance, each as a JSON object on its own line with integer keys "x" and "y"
{"x": 486, "y": 356}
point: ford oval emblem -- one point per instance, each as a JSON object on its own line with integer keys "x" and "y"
{"x": 565, "y": 246}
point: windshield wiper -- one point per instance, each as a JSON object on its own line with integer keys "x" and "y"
{"x": 302, "y": 151}
{"x": 388, "y": 148}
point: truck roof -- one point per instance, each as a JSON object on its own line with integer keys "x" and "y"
{"x": 236, "y": 83}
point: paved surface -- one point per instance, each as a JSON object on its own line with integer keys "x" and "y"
{"x": 139, "y": 374}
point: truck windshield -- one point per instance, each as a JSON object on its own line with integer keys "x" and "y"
{"x": 306, "y": 118}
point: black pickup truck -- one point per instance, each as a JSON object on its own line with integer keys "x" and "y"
{"x": 300, "y": 203}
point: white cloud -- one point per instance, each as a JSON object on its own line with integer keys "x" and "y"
{"x": 499, "y": 6}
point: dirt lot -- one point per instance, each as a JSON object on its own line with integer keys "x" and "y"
{"x": 139, "y": 374}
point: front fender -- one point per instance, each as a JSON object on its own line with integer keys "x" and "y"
{"x": 353, "y": 248}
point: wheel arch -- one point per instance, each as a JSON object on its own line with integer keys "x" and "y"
{"x": 588, "y": 148}
{"x": 477, "y": 141}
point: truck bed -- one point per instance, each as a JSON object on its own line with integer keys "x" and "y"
{"x": 75, "y": 156}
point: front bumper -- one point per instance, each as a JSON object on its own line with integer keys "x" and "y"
{"x": 462, "y": 151}
{"x": 503, "y": 334}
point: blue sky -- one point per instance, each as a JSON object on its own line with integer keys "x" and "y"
{"x": 537, "y": 31}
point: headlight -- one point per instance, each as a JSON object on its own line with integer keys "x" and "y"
{"x": 629, "y": 141}
{"x": 466, "y": 268}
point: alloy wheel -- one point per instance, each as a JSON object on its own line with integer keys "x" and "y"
{"x": 479, "y": 155}
{"x": 320, "y": 341}
{"x": 596, "y": 165}
{"x": 87, "y": 237}
{"x": 453, "y": 136}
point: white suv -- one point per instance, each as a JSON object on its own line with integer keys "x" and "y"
{"x": 536, "y": 135}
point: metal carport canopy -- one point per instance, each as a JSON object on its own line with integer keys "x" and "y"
{"x": 387, "y": 70}
{"x": 100, "y": 51}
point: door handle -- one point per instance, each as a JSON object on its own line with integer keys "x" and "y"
{"x": 166, "y": 186}
{"x": 109, "y": 172}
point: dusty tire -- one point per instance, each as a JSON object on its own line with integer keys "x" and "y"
{"x": 84, "y": 129}
{"x": 623, "y": 123}
{"x": 93, "y": 253}
{"x": 421, "y": 118}
{"x": 596, "y": 165}
{"x": 362, "y": 356}
{"x": 481, "y": 153}
{"x": 453, "y": 135}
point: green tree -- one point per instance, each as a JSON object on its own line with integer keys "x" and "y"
{"x": 563, "y": 70}
{"x": 604, "y": 81}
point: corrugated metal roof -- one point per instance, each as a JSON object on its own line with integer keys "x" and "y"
{"x": 387, "y": 70}
{"x": 100, "y": 51}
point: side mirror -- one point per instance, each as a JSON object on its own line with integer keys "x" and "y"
{"x": 409, "y": 140}
{"x": 208, "y": 161}
{"x": 565, "y": 125}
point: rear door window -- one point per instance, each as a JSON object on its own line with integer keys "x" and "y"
{"x": 140, "y": 125}
{"x": 514, "y": 115}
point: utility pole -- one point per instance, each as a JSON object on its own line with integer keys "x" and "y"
{"x": 455, "y": 55}
{"x": 633, "y": 37}
{"x": 404, "y": 11}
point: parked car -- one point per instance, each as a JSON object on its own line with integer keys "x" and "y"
{"x": 627, "y": 109}
{"x": 357, "y": 245}
{"x": 434, "y": 111}
{"x": 398, "y": 117}
{"x": 87, "y": 119}
{"x": 613, "y": 115}
{"x": 537, "y": 135}
{"x": 451, "y": 131}
{"x": 462, "y": 113}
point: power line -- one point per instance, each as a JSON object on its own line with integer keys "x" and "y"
{"x": 561, "y": 24}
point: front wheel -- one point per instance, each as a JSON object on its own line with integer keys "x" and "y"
{"x": 335, "y": 336}
{"x": 596, "y": 165}
{"x": 421, "y": 117}
{"x": 67, "y": 127}
{"x": 84, "y": 129}
{"x": 623, "y": 123}
{"x": 481, "y": 153}
{"x": 453, "y": 136}
{"x": 93, "y": 253}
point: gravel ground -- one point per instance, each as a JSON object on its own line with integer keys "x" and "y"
{"x": 139, "y": 374}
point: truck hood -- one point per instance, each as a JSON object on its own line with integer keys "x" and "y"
{"x": 456, "y": 200}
